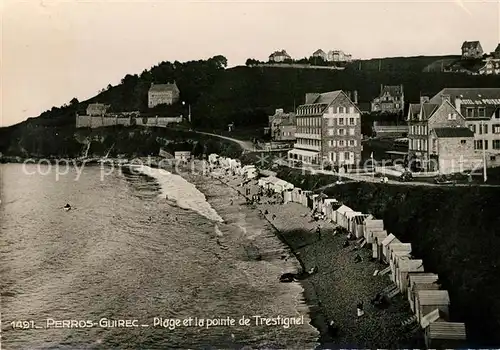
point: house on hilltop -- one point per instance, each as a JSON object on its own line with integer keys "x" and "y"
{"x": 328, "y": 130}
{"x": 97, "y": 109}
{"x": 279, "y": 56}
{"x": 320, "y": 53}
{"x": 496, "y": 53}
{"x": 390, "y": 100}
{"x": 163, "y": 94}
{"x": 471, "y": 49}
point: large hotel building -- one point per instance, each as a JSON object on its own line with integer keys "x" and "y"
{"x": 328, "y": 130}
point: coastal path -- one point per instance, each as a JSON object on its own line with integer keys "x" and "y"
{"x": 247, "y": 146}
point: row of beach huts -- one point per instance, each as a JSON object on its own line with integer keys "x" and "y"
{"x": 429, "y": 303}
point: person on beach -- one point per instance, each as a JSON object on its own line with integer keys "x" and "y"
{"x": 274, "y": 216}
{"x": 318, "y": 231}
{"x": 359, "y": 309}
{"x": 231, "y": 202}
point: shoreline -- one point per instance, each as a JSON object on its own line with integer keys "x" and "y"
{"x": 333, "y": 292}
{"x": 317, "y": 319}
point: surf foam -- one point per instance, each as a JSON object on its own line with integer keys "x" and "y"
{"x": 184, "y": 193}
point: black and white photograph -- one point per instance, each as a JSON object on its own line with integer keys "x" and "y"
{"x": 215, "y": 174}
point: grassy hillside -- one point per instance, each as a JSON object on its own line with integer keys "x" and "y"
{"x": 243, "y": 95}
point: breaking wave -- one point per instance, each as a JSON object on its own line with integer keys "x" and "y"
{"x": 184, "y": 193}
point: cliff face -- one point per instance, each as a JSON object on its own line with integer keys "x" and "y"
{"x": 456, "y": 232}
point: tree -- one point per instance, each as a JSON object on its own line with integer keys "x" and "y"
{"x": 74, "y": 101}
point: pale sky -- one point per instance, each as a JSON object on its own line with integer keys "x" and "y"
{"x": 52, "y": 51}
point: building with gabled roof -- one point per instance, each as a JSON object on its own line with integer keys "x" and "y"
{"x": 438, "y": 138}
{"x": 481, "y": 110}
{"x": 163, "y": 94}
{"x": 279, "y": 56}
{"x": 496, "y": 53}
{"x": 97, "y": 109}
{"x": 320, "y": 53}
{"x": 472, "y": 49}
{"x": 328, "y": 130}
{"x": 390, "y": 100}
{"x": 282, "y": 125}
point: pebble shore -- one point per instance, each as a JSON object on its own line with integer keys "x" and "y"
{"x": 340, "y": 283}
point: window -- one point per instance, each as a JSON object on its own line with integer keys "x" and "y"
{"x": 351, "y": 131}
{"x": 352, "y": 121}
{"x": 346, "y": 155}
{"x": 485, "y": 128}
{"x": 481, "y": 112}
{"x": 485, "y": 144}
{"x": 341, "y": 143}
{"x": 495, "y": 128}
{"x": 352, "y": 143}
{"x": 497, "y": 113}
{"x": 470, "y": 112}
{"x": 330, "y": 132}
{"x": 452, "y": 116}
{"x": 341, "y": 132}
{"x": 463, "y": 142}
{"x": 341, "y": 121}
{"x": 478, "y": 144}
{"x": 496, "y": 144}
{"x": 331, "y": 143}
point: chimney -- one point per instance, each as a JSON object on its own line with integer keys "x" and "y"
{"x": 355, "y": 97}
{"x": 381, "y": 88}
{"x": 349, "y": 94}
{"x": 458, "y": 103}
{"x": 424, "y": 99}
{"x": 445, "y": 98}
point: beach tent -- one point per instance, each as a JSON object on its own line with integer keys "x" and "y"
{"x": 393, "y": 261}
{"x": 420, "y": 281}
{"x": 377, "y": 247}
{"x": 372, "y": 225}
{"x": 327, "y": 207}
{"x": 385, "y": 245}
{"x": 212, "y": 158}
{"x": 445, "y": 335}
{"x": 282, "y": 185}
{"x": 287, "y": 196}
{"x": 309, "y": 195}
{"x": 296, "y": 193}
{"x": 358, "y": 226}
{"x": 427, "y": 301}
{"x": 340, "y": 217}
{"x": 400, "y": 249}
{"x": 262, "y": 182}
{"x": 350, "y": 215}
{"x": 405, "y": 266}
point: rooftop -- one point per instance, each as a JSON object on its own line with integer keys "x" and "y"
{"x": 453, "y": 132}
{"x": 470, "y": 44}
{"x": 163, "y": 87}
{"x": 433, "y": 297}
{"x": 447, "y": 330}
{"x": 473, "y": 95}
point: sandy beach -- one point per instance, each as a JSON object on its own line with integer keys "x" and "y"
{"x": 340, "y": 283}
